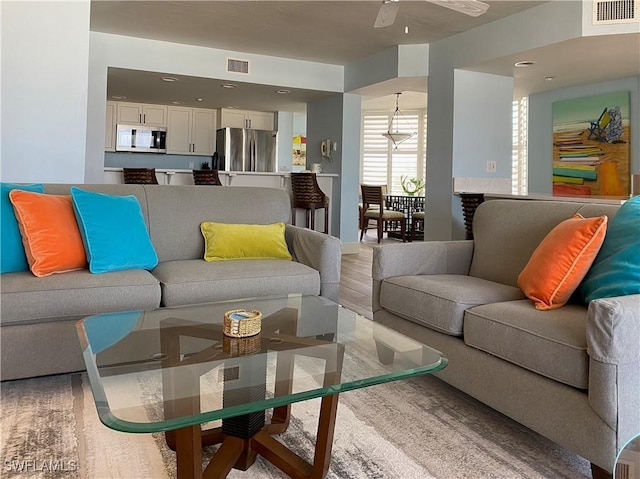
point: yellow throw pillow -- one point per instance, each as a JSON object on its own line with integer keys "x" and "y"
{"x": 225, "y": 241}
{"x": 561, "y": 261}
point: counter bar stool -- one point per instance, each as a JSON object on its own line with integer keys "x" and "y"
{"x": 140, "y": 176}
{"x": 206, "y": 177}
{"x": 308, "y": 196}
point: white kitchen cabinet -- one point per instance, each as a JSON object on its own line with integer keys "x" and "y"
{"x": 257, "y": 120}
{"x": 141, "y": 114}
{"x": 110, "y": 127}
{"x": 191, "y": 131}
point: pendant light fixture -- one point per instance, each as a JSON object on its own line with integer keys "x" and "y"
{"x": 393, "y": 134}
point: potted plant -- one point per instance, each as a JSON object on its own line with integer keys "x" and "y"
{"x": 412, "y": 186}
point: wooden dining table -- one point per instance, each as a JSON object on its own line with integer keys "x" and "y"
{"x": 406, "y": 204}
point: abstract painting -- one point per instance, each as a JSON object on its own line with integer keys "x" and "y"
{"x": 591, "y": 145}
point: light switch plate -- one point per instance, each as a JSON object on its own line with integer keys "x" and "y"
{"x": 491, "y": 166}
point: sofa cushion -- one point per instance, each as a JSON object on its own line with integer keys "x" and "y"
{"x": 113, "y": 231}
{"x": 224, "y": 241}
{"x": 440, "y": 300}
{"x": 26, "y": 298}
{"x": 13, "y": 256}
{"x": 616, "y": 269}
{"x": 199, "y": 281}
{"x": 506, "y": 233}
{"x": 188, "y": 207}
{"x": 561, "y": 261}
{"x": 551, "y": 343}
{"x": 49, "y": 232}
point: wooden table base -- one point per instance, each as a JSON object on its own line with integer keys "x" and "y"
{"x": 243, "y": 437}
{"x": 239, "y": 453}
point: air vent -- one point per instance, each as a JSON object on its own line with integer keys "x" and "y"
{"x": 237, "y": 66}
{"x": 615, "y": 11}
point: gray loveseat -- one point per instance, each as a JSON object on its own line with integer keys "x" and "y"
{"x": 38, "y": 315}
{"x": 571, "y": 374}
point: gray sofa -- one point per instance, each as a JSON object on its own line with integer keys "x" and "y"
{"x": 571, "y": 374}
{"x": 38, "y": 315}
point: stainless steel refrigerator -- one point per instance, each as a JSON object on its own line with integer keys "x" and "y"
{"x": 242, "y": 149}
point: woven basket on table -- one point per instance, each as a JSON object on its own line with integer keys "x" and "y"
{"x": 241, "y": 346}
{"x": 240, "y": 323}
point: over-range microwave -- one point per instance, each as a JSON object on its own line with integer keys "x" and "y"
{"x": 145, "y": 139}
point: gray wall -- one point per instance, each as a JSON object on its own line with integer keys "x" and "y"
{"x": 325, "y": 121}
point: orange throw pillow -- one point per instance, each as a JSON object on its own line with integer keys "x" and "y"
{"x": 561, "y": 261}
{"x": 50, "y": 233}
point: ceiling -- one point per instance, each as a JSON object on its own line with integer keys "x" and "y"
{"x": 335, "y": 32}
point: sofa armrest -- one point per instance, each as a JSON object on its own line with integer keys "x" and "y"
{"x": 613, "y": 329}
{"x": 613, "y": 344}
{"x": 428, "y": 257}
{"x": 319, "y": 251}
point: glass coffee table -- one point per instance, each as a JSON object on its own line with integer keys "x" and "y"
{"x": 308, "y": 347}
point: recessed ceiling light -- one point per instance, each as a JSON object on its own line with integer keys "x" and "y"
{"x": 524, "y": 64}
{"x": 283, "y": 92}
{"x": 118, "y": 97}
{"x": 177, "y": 102}
{"x": 169, "y": 79}
{"x": 232, "y": 107}
{"x": 548, "y": 78}
{"x": 229, "y": 85}
{"x": 198, "y": 99}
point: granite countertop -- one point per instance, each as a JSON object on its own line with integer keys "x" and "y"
{"x": 613, "y": 200}
{"x": 171, "y": 171}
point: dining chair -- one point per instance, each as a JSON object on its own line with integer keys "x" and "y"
{"x": 417, "y": 218}
{"x": 206, "y": 177}
{"x": 373, "y": 210}
{"x": 140, "y": 176}
{"x": 308, "y": 196}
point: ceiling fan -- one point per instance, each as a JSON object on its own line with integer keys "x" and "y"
{"x": 389, "y": 9}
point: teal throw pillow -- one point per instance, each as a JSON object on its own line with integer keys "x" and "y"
{"x": 106, "y": 329}
{"x": 616, "y": 269}
{"x": 13, "y": 257}
{"x": 113, "y": 231}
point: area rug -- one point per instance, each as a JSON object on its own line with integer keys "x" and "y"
{"x": 418, "y": 428}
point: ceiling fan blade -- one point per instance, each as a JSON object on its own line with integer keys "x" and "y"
{"x": 387, "y": 13}
{"x": 473, "y": 8}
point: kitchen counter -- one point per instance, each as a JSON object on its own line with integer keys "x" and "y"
{"x": 169, "y": 176}
{"x": 281, "y": 179}
{"x": 609, "y": 200}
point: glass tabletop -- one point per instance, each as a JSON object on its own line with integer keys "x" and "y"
{"x": 173, "y": 367}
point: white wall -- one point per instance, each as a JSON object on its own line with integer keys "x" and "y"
{"x": 45, "y": 54}
{"x": 54, "y": 75}
{"x": 482, "y": 125}
{"x": 284, "y": 126}
{"x": 151, "y": 55}
{"x": 546, "y": 24}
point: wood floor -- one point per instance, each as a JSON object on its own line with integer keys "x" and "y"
{"x": 355, "y": 279}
